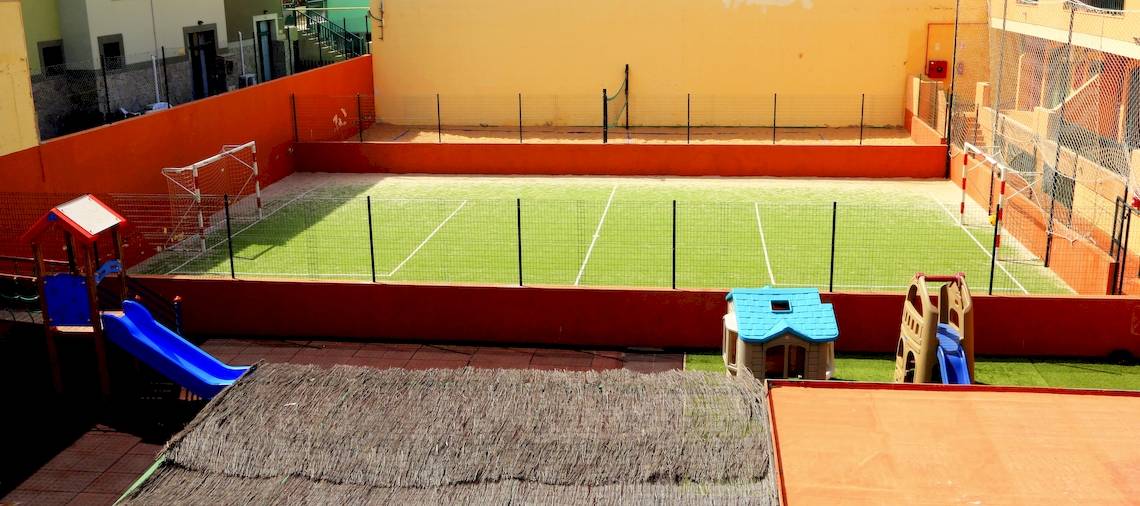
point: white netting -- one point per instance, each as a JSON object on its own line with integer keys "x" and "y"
{"x": 198, "y": 194}
{"x": 1060, "y": 112}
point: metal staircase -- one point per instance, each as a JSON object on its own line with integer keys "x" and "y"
{"x": 333, "y": 42}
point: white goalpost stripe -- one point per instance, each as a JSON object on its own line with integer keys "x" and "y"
{"x": 425, "y": 241}
{"x": 597, "y": 232}
{"x": 764, "y": 243}
{"x": 981, "y": 246}
{"x": 243, "y": 229}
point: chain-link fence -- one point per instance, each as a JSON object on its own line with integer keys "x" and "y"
{"x": 1057, "y": 117}
{"x": 534, "y": 241}
{"x": 585, "y": 118}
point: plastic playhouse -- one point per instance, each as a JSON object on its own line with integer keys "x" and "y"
{"x": 936, "y": 340}
{"x": 779, "y": 333}
{"x": 71, "y": 303}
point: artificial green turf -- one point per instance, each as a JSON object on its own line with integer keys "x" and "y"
{"x": 469, "y": 231}
{"x": 1070, "y": 373}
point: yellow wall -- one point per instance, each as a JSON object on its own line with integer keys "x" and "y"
{"x": 41, "y": 23}
{"x": 732, "y": 55}
{"x": 17, "y": 111}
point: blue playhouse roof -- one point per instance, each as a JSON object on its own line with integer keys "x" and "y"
{"x": 763, "y": 314}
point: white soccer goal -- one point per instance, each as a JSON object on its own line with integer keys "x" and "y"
{"x": 198, "y": 193}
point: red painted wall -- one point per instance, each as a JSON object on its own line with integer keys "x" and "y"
{"x": 1014, "y": 326}
{"x": 126, "y": 157}
{"x": 626, "y": 159}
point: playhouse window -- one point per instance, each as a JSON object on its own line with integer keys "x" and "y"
{"x": 781, "y": 306}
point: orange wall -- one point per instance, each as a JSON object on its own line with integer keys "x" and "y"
{"x": 1015, "y": 326}
{"x": 626, "y": 159}
{"x": 126, "y": 157}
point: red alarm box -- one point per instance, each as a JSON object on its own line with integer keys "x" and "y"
{"x": 936, "y": 69}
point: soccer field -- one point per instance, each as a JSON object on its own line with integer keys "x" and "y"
{"x": 720, "y": 233}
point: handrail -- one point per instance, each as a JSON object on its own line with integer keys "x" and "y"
{"x": 350, "y": 43}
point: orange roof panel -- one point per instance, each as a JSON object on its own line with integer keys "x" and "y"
{"x": 882, "y": 444}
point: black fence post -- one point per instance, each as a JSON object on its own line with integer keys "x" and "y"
{"x": 359, "y": 118}
{"x": 296, "y": 130}
{"x": 165, "y": 78}
{"x": 688, "y": 118}
{"x": 605, "y": 117}
{"x": 862, "y": 116}
{"x": 229, "y": 235}
{"x": 438, "y": 120}
{"x": 1124, "y": 251}
{"x": 994, "y": 248}
{"x": 773, "y": 118}
{"x": 831, "y": 274}
{"x": 176, "y": 304}
{"x": 627, "y": 99}
{"x": 371, "y": 239}
{"x": 520, "y": 120}
{"x": 518, "y": 235}
{"x": 674, "y": 244}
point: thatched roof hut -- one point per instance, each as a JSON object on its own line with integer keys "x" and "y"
{"x": 350, "y": 435}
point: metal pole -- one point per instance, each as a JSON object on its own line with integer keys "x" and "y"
{"x": 1057, "y": 157}
{"x": 518, "y": 235}
{"x": 1124, "y": 250}
{"x": 627, "y": 98}
{"x": 359, "y": 118}
{"x": 165, "y": 77}
{"x": 674, "y": 244}
{"x": 371, "y": 238}
{"x": 106, "y": 89}
{"x": 520, "y": 120}
{"x": 773, "y": 118}
{"x": 229, "y": 236}
{"x": 296, "y": 131}
{"x": 831, "y": 274}
{"x": 953, "y": 89}
{"x": 154, "y": 70}
{"x": 438, "y": 120}
{"x": 862, "y": 116}
{"x": 241, "y": 51}
{"x": 605, "y": 117}
{"x": 688, "y": 117}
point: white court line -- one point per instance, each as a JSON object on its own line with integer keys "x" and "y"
{"x": 425, "y": 241}
{"x": 983, "y": 248}
{"x": 597, "y": 232}
{"x": 764, "y": 243}
{"x": 255, "y": 222}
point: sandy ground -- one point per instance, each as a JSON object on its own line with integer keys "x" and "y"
{"x": 892, "y": 136}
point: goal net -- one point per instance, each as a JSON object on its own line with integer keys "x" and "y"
{"x": 1055, "y": 109}
{"x": 198, "y": 195}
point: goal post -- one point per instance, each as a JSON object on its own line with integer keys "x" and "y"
{"x": 197, "y": 193}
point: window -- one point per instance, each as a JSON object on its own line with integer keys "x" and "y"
{"x": 1113, "y": 5}
{"x": 781, "y": 306}
{"x": 111, "y": 51}
{"x": 51, "y": 57}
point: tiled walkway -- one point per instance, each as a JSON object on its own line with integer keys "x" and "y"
{"x": 99, "y": 466}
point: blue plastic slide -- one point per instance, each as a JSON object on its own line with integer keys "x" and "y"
{"x": 139, "y": 334}
{"x": 951, "y": 357}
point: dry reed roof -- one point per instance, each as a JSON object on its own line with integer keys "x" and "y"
{"x": 305, "y": 434}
